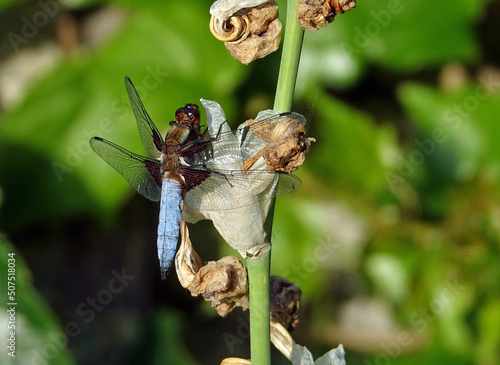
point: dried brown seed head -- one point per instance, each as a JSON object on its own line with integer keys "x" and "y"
{"x": 251, "y": 33}
{"x": 223, "y": 282}
{"x": 314, "y": 14}
{"x": 284, "y": 302}
{"x": 286, "y": 144}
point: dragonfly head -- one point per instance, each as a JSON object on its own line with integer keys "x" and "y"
{"x": 189, "y": 113}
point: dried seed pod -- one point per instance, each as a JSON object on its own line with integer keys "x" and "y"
{"x": 314, "y": 14}
{"x": 284, "y": 302}
{"x": 251, "y": 33}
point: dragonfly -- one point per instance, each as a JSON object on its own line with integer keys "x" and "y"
{"x": 190, "y": 168}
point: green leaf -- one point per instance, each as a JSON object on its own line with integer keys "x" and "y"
{"x": 458, "y": 136}
{"x": 350, "y": 147}
{"x": 46, "y": 137}
{"x": 399, "y": 35}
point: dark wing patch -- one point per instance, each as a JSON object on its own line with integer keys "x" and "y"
{"x": 193, "y": 178}
{"x": 154, "y": 169}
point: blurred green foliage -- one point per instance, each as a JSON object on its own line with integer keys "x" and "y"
{"x": 39, "y": 334}
{"x": 399, "y": 212}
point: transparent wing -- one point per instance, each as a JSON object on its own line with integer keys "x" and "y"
{"x": 229, "y": 189}
{"x": 150, "y": 136}
{"x": 241, "y": 144}
{"x": 142, "y": 173}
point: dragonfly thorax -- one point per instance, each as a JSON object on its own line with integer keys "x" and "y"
{"x": 170, "y": 162}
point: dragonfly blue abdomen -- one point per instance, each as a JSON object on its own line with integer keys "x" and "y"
{"x": 169, "y": 223}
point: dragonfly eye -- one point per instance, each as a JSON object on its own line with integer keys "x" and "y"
{"x": 194, "y": 116}
{"x": 191, "y": 106}
{"x": 180, "y": 114}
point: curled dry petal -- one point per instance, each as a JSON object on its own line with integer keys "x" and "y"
{"x": 281, "y": 339}
{"x": 223, "y": 9}
{"x": 251, "y": 33}
{"x": 285, "y": 302}
{"x": 314, "y": 14}
{"x": 223, "y": 282}
{"x": 298, "y": 354}
{"x": 233, "y": 30}
{"x": 286, "y": 147}
{"x": 187, "y": 261}
{"x": 235, "y": 361}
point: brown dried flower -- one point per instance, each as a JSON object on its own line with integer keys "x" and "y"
{"x": 251, "y": 33}
{"x": 314, "y": 14}
{"x": 287, "y": 143}
{"x": 223, "y": 282}
{"x": 285, "y": 302}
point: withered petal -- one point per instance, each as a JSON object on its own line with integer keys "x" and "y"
{"x": 262, "y": 36}
{"x": 223, "y": 283}
{"x": 285, "y": 299}
{"x": 187, "y": 261}
{"x": 315, "y": 14}
{"x": 235, "y": 361}
{"x": 286, "y": 148}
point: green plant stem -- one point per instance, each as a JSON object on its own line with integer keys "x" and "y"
{"x": 290, "y": 56}
{"x": 260, "y": 338}
{"x": 259, "y": 269}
